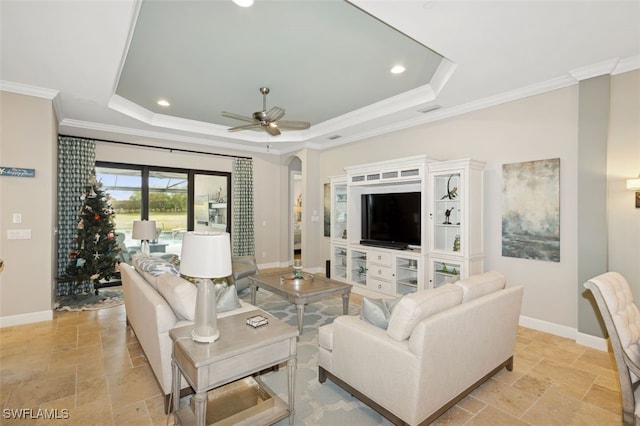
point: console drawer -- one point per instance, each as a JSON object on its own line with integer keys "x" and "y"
{"x": 380, "y": 258}
{"x": 381, "y": 272}
{"x": 380, "y": 285}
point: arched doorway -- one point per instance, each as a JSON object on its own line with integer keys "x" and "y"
{"x": 296, "y": 203}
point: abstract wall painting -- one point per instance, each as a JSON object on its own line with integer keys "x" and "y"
{"x": 531, "y": 210}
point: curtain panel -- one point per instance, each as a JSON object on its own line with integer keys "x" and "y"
{"x": 242, "y": 232}
{"x": 76, "y": 166}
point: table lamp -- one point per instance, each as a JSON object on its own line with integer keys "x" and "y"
{"x": 205, "y": 255}
{"x": 144, "y": 230}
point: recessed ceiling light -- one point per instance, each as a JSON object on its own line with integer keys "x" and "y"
{"x": 244, "y": 3}
{"x": 163, "y": 102}
{"x": 397, "y": 69}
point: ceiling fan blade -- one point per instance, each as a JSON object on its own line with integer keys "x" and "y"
{"x": 293, "y": 125}
{"x": 238, "y": 117}
{"x": 272, "y": 130}
{"x": 274, "y": 114}
{"x": 245, "y": 127}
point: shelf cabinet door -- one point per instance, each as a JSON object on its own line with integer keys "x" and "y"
{"x": 338, "y": 209}
{"x": 339, "y": 263}
{"x": 407, "y": 275}
{"x": 447, "y": 212}
{"x": 445, "y": 271}
{"x": 358, "y": 267}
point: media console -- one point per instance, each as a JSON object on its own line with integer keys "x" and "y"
{"x": 449, "y": 223}
{"x": 385, "y": 244}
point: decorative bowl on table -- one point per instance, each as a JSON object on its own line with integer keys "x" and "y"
{"x": 296, "y": 278}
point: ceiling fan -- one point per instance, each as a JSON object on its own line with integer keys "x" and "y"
{"x": 269, "y": 121}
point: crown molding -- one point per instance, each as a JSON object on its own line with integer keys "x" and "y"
{"x": 128, "y": 131}
{"x": 25, "y": 89}
{"x": 595, "y": 70}
{"x": 38, "y": 92}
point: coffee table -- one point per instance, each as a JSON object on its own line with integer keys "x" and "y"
{"x": 308, "y": 292}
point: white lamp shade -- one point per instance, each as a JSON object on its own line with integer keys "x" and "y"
{"x": 144, "y": 230}
{"x": 633, "y": 184}
{"x": 206, "y": 255}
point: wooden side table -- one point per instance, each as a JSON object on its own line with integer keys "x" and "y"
{"x": 240, "y": 351}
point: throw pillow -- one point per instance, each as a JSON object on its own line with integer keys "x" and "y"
{"x": 377, "y": 311}
{"x": 155, "y": 266}
{"x": 181, "y": 296}
{"x": 227, "y": 297}
{"x": 413, "y": 308}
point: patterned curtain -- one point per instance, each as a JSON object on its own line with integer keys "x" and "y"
{"x": 242, "y": 232}
{"x": 76, "y": 165}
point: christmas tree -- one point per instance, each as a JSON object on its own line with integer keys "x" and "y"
{"x": 95, "y": 254}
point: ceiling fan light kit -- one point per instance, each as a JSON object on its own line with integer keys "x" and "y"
{"x": 269, "y": 121}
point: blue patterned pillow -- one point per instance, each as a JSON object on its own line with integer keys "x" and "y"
{"x": 156, "y": 266}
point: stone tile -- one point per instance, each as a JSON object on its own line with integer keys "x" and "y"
{"x": 549, "y": 350}
{"x": 533, "y": 384}
{"x": 454, "y": 416}
{"x": 491, "y": 416}
{"x": 604, "y": 398}
{"x": 95, "y": 413}
{"x": 133, "y": 385}
{"x": 510, "y": 400}
{"x": 134, "y": 414}
{"x": 565, "y": 374}
{"x": 91, "y": 388}
{"x": 553, "y": 408}
{"x": 471, "y": 404}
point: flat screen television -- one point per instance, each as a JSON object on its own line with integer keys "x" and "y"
{"x": 391, "y": 220}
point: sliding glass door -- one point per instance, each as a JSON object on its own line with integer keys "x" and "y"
{"x": 177, "y": 200}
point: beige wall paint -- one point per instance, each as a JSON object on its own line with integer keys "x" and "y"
{"x": 535, "y": 128}
{"x": 623, "y": 162}
{"x": 543, "y": 126}
{"x": 28, "y": 133}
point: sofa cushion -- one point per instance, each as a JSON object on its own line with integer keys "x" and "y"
{"x": 377, "y": 311}
{"x": 413, "y": 308}
{"x": 481, "y": 284}
{"x": 180, "y": 294}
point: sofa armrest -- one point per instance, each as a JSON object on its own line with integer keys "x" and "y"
{"x": 366, "y": 357}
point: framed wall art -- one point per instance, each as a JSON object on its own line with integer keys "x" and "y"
{"x": 531, "y": 210}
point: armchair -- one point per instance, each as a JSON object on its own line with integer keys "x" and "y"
{"x": 622, "y": 320}
{"x": 242, "y": 267}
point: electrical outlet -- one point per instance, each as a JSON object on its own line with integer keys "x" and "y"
{"x": 17, "y": 218}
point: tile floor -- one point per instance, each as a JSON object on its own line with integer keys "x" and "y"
{"x": 91, "y": 364}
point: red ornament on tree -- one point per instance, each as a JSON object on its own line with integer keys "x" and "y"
{"x": 96, "y": 217}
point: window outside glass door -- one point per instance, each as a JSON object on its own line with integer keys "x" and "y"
{"x": 168, "y": 201}
{"x": 124, "y": 187}
{"x": 163, "y": 195}
{"x": 211, "y": 198}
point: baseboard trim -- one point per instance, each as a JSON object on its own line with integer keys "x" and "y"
{"x": 588, "y": 340}
{"x": 599, "y": 343}
{"x": 20, "y": 319}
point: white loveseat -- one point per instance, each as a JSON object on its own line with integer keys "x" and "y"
{"x": 440, "y": 344}
{"x": 151, "y": 316}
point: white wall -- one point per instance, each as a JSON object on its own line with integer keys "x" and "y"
{"x": 28, "y": 139}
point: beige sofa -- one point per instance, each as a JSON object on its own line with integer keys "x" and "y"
{"x": 151, "y": 315}
{"x": 439, "y": 345}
